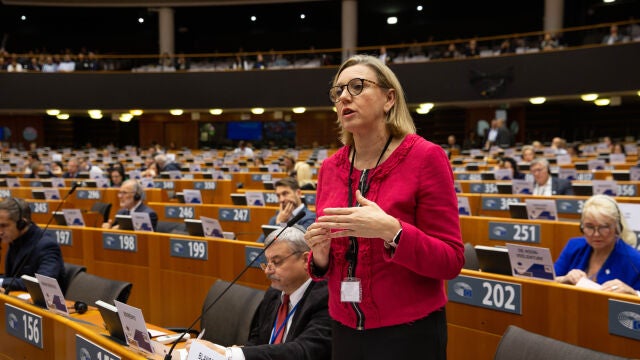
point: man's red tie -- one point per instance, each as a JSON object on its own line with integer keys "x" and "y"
{"x": 283, "y": 310}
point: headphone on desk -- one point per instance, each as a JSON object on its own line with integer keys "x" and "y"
{"x": 21, "y": 223}
{"x": 80, "y": 307}
{"x": 618, "y": 215}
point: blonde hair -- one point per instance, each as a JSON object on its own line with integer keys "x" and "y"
{"x": 303, "y": 174}
{"x": 603, "y": 207}
{"x": 399, "y": 121}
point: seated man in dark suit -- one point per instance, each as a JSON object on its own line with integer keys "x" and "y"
{"x": 290, "y": 199}
{"x": 131, "y": 197}
{"x": 302, "y": 330}
{"x": 30, "y": 251}
{"x": 544, "y": 183}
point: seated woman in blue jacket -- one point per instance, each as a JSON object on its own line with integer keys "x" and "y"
{"x": 605, "y": 254}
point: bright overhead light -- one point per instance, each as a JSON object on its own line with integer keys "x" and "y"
{"x": 63, "y": 116}
{"x": 215, "y": 111}
{"x": 95, "y": 114}
{"x": 140, "y": 20}
{"x": 136, "y": 112}
{"x": 253, "y": 18}
{"x": 537, "y": 100}
{"x": 423, "y": 110}
{"x": 126, "y": 117}
{"x": 392, "y": 20}
{"x": 588, "y": 97}
{"x": 257, "y": 111}
{"x": 303, "y": 16}
{"x": 428, "y": 106}
{"x": 419, "y": 8}
{"x": 53, "y": 112}
{"x": 176, "y": 112}
{"x": 299, "y": 110}
{"x": 638, "y": 92}
{"x": 602, "y": 102}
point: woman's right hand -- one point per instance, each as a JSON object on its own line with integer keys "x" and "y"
{"x": 572, "y": 277}
{"x": 319, "y": 241}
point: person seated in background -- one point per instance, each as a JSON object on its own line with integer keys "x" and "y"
{"x": 165, "y": 164}
{"x": 31, "y": 250}
{"x": 73, "y": 167}
{"x": 304, "y": 176}
{"x": 303, "y": 330}
{"x": 131, "y": 196}
{"x": 290, "y": 199}
{"x": 243, "y": 150}
{"x": 288, "y": 165}
{"x": 606, "y": 253}
{"x": 559, "y": 145}
{"x": 528, "y": 154}
{"x": 509, "y": 163}
{"x": 613, "y": 37}
{"x": 116, "y": 177}
{"x": 56, "y": 168}
{"x": 151, "y": 170}
{"x": 549, "y": 42}
{"x": 546, "y": 185}
{"x": 618, "y": 148}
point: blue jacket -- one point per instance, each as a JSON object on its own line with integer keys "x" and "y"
{"x": 623, "y": 263}
{"x": 308, "y": 219}
{"x": 41, "y": 254}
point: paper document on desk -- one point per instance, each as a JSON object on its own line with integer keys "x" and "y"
{"x": 587, "y": 283}
{"x": 199, "y": 351}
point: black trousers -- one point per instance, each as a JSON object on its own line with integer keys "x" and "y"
{"x": 425, "y": 338}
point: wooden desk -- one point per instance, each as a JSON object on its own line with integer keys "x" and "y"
{"x": 563, "y": 312}
{"x": 59, "y": 334}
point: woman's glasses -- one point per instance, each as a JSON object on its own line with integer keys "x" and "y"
{"x": 354, "y": 87}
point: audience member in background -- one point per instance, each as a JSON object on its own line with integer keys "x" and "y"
{"x": 451, "y": 52}
{"x": 618, "y": 148}
{"x": 452, "y": 144}
{"x": 528, "y": 154}
{"x": 613, "y": 37}
{"x": 49, "y": 65}
{"x": 498, "y": 135}
{"x": 165, "y": 164}
{"x": 537, "y": 145}
{"x": 559, "y": 145}
{"x": 506, "y": 47}
{"x": 509, "y": 163}
{"x": 243, "y": 150}
{"x": 56, "y": 168}
{"x": 151, "y": 171}
{"x": 471, "y": 49}
{"x": 306, "y": 334}
{"x": 87, "y": 166}
{"x": 304, "y": 176}
{"x": 73, "y": 168}
{"x": 116, "y": 177}
{"x": 288, "y": 165}
{"x": 32, "y": 157}
{"x": 131, "y": 197}
{"x": 67, "y": 65}
{"x": 31, "y": 251}
{"x": 549, "y": 42}
{"x": 14, "y": 65}
{"x": 606, "y": 253}
{"x": 471, "y": 141}
{"x": 544, "y": 184}
{"x": 290, "y": 199}
{"x": 384, "y": 55}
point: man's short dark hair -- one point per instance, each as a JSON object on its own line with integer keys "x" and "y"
{"x": 288, "y": 182}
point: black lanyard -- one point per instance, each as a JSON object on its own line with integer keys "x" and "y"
{"x": 363, "y": 185}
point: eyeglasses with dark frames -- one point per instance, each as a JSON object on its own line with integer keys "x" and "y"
{"x": 354, "y": 87}
{"x": 590, "y": 230}
{"x": 274, "y": 264}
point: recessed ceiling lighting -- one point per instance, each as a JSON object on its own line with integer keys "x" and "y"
{"x": 140, "y": 20}
{"x": 537, "y": 100}
{"x": 588, "y": 97}
{"x": 427, "y": 105}
{"x": 95, "y": 114}
{"x": 63, "y": 116}
{"x": 257, "y": 111}
{"x": 392, "y": 20}
{"x": 126, "y": 117}
{"x": 23, "y": 18}
{"x": 423, "y": 110}
{"x": 176, "y": 112}
{"x": 253, "y": 18}
{"x": 215, "y": 111}
{"x": 303, "y": 16}
{"x": 602, "y": 102}
{"x": 299, "y": 110}
{"x": 419, "y": 8}
{"x": 53, "y": 112}
{"x": 136, "y": 112}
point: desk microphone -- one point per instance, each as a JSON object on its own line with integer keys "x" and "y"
{"x": 290, "y": 223}
{"x": 21, "y": 265}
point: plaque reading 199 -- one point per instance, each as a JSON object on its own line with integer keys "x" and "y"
{"x": 122, "y": 242}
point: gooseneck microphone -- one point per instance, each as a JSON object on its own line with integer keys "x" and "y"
{"x": 290, "y": 223}
{"x": 23, "y": 262}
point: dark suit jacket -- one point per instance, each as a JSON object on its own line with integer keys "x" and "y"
{"x": 308, "y": 219}
{"x": 308, "y": 338}
{"x": 142, "y": 208}
{"x": 561, "y": 186}
{"x": 42, "y": 255}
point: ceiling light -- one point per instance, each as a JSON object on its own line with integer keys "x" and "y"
{"x": 392, "y": 20}
{"x": 253, "y": 18}
{"x": 136, "y": 112}
{"x": 423, "y": 110}
{"x": 302, "y": 16}
{"x": 427, "y": 106}
{"x": 588, "y": 97}
{"x": 126, "y": 117}
{"x": 95, "y": 114}
{"x": 602, "y": 102}
{"x": 419, "y": 8}
{"x": 537, "y": 100}
{"x": 53, "y": 112}
{"x": 140, "y": 20}
{"x": 299, "y": 110}
{"x": 638, "y": 92}
{"x": 257, "y": 111}
{"x": 63, "y": 116}
{"x": 215, "y": 111}
{"x": 176, "y": 112}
